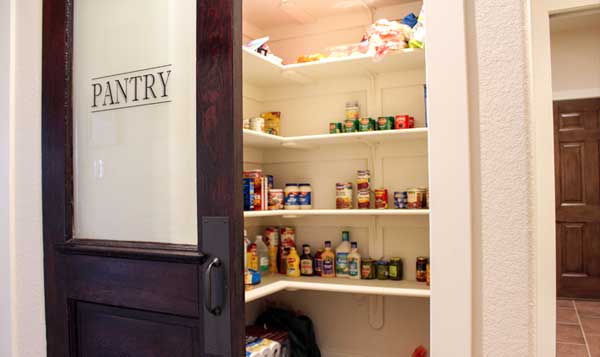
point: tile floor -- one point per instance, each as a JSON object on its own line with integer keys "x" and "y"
{"x": 577, "y": 328}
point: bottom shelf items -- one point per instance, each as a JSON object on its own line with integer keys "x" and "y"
{"x": 274, "y": 283}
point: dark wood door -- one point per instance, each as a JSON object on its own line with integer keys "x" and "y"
{"x": 577, "y": 170}
{"x": 111, "y": 298}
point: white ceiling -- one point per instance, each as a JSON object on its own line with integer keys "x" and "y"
{"x": 575, "y": 20}
{"x": 269, "y": 13}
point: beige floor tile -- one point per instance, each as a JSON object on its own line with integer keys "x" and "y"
{"x": 570, "y": 350}
{"x": 569, "y": 334}
{"x": 594, "y": 345}
{"x": 591, "y": 325}
{"x": 564, "y": 304}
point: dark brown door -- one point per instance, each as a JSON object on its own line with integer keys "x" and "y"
{"x": 577, "y": 170}
{"x": 117, "y": 297}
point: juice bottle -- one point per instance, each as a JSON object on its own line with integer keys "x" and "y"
{"x": 328, "y": 257}
{"x": 263, "y": 255}
{"x": 318, "y": 266}
{"x": 341, "y": 256}
{"x": 306, "y": 262}
{"x": 293, "y": 263}
{"x": 354, "y": 262}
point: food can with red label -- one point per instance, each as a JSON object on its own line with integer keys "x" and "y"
{"x": 404, "y": 122}
{"x": 343, "y": 195}
{"x": 363, "y": 180}
{"x": 276, "y": 198}
{"x": 415, "y": 197}
{"x": 363, "y": 199}
{"x": 381, "y": 198}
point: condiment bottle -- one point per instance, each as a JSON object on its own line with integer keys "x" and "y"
{"x": 293, "y": 263}
{"x": 354, "y": 262}
{"x": 252, "y": 257}
{"x": 328, "y": 257}
{"x": 263, "y": 255}
{"x": 306, "y": 261}
{"x": 283, "y": 260}
{"x": 341, "y": 256}
{"x": 319, "y": 262}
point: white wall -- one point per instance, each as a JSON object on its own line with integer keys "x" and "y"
{"x": 23, "y": 237}
{"x": 504, "y": 289}
{"x": 576, "y": 63}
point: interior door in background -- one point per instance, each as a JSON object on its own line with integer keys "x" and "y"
{"x": 577, "y": 171}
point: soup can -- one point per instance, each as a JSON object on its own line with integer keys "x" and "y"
{"x": 381, "y": 198}
{"x": 415, "y": 197}
{"x": 363, "y": 180}
{"x": 335, "y": 128}
{"x": 343, "y": 195}
{"x": 365, "y": 124}
{"x": 404, "y": 122}
{"x": 400, "y": 198}
{"x": 422, "y": 269}
{"x": 385, "y": 123}
{"x": 349, "y": 126}
{"x": 363, "y": 199}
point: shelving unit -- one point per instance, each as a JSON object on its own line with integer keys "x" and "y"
{"x": 262, "y": 71}
{"x": 337, "y": 212}
{"x": 276, "y": 282}
{"x": 261, "y": 140}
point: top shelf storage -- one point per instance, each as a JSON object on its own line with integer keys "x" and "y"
{"x": 262, "y": 72}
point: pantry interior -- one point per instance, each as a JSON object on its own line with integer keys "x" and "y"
{"x": 351, "y": 317}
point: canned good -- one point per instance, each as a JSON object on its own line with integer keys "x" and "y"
{"x": 385, "y": 123}
{"x": 368, "y": 269}
{"x": 404, "y": 122}
{"x": 291, "y": 194}
{"x": 365, "y": 124}
{"x": 257, "y": 124}
{"x": 335, "y": 128}
{"x": 343, "y": 195}
{"x": 422, "y": 269}
{"x": 248, "y": 194}
{"x": 349, "y": 126}
{"x": 415, "y": 197}
{"x": 363, "y": 199}
{"x": 400, "y": 199}
{"x": 363, "y": 180}
{"x": 352, "y": 110}
{"x": 305, "y": 196}
{"x": 396, "y": 269}
{"x": 381, "y": 198}
{"x": 276, "y": 199}
{"x": 383, "y": 270}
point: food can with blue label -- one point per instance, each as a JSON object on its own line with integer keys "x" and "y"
{"x": 291, "y": 195}
{"x": 305, "y": 196}
{"x": 400, "y": 198}
{"x": 248, "y": 194}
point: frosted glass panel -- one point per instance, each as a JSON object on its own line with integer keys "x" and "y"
{"x": 134, "y": 114}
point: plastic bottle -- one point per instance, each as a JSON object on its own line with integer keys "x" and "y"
{"x": 263, "y": 255}
{"x": 252, "y": 257}
{"x": 318, "y": 262}
{"x": 305, "y": 196}
{"x": 354, "y": 261}
{"x": 341, "y": 256}
{"x": 328, "y": 257}
{"x": 306, "y": 262}
{"x": 293, "y": 263}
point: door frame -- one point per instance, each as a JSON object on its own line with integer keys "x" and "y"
{"x": 542, "y": 131}
{"x": 218, "y": 159}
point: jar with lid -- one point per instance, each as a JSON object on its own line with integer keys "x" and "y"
{"x": 368, "y": 269}
{"x": 383, "y": 269}
{"x": 305, "y": 196}
{"x": 352, "y": 110}
{"x": 291, "y": 194}
{"x": 396, "y": 269}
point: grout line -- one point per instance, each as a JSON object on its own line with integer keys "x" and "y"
{"x": 587, "y": 347}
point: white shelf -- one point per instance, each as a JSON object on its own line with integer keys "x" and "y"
{"x": 261, "y": 140}
{"x": 277, "y": 282}
{"x": 291, "y": 213}
{"x": 260, "y": 71}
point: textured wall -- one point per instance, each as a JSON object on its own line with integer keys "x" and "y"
{"x": 503, "y": 248}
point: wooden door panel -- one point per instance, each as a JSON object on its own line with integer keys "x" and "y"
{"x": 577, "y": 170}
{"x": 572, "y": 175}
{"x": 106, "y": 331}
{"x": 572, "y": 239}
{"x": 148, "y": 285}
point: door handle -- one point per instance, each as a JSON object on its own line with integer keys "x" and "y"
{"x": 212, "y": 288}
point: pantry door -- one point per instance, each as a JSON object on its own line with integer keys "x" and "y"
{"x": 577, "y": 170}
{"x": 141, "y": 162}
